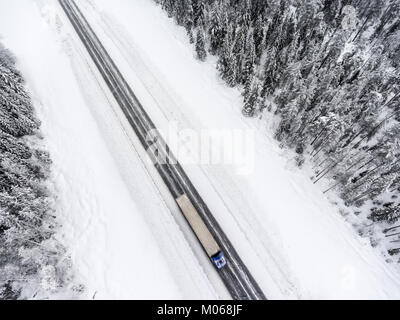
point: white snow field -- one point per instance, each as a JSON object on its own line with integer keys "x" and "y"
{"x": 126, "y": 237}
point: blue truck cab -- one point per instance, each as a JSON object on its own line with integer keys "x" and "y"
{"x": 219, "y": 260}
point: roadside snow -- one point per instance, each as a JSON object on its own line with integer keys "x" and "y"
{"x": 123, "y": 240}
{"x": 293, "y": 240}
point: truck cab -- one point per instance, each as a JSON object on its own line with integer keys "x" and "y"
{"x": 219, "y": 260}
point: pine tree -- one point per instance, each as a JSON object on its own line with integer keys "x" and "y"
{"x": 216, "y": 32}
{"x": 251, "y": 100}
{"x": 259, "y": 34}
{"x": 227, "y": 63}
{"x": 200, "y": 45}
{"x": 248, "y": 61}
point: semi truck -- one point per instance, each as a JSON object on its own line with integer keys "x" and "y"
{"x": 201, "y": 231}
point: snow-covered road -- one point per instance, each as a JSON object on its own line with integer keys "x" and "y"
{"x": 125, "y": 237}
{"x": 235, "y": 275}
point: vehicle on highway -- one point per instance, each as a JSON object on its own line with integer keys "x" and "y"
{"x": 202, "y": 233}
{"x": 219, "y": 260}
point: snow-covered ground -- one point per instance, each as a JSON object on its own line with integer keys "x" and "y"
{"x": 125, "y": 235}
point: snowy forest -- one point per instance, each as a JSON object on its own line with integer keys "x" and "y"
{"x": 30, "y": 258}
{"x": 329, "y": 72}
